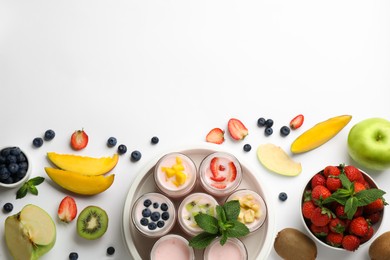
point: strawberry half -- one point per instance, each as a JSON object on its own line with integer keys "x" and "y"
{"x": 237, "y": 129}
{"x": 233, "y": 171}
{"x": 216, "y": 136}
{"x": 214, "y": 166}
{"x": 67, "y": 210}
{"x": 79, "y": 140}
{"x": 296, "y": 122}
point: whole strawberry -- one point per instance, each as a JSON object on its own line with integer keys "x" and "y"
{"x": 337, "y": 225}
{"x": 333, "y": 183}
{"x": 308, "y": 208}
{"x": 334, "y": 239}
{"x": 320, "y": 193}
{"x": 376, "y": 206}
{"x": 359, "y": 227}
{"x": 353, "y": 174}
{"x": 321, "y": 216}
{"x": 319, "y": 231}
{"x": 318, "y": 179}
{"x": 331, "y": 171}
{"x": 350, "y": 242}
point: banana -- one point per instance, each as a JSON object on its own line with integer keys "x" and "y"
{"x": 319, "y": 134}
{"x": 80, "y": 183}
{"x": 83, "y": 164}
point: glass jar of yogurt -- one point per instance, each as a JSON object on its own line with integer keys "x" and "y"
{"x": 233, "y": 249}
{"x": 172, "y": 247}
{"x": 175, "y": 175}
{"x": 220, "y": 173}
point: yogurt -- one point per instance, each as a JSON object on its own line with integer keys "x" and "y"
{"x": 175, "y": 175}
{"x": 233, "y": 249}
{"x": 172, "y": 247}
{"x": 220, "y": 173}
{"x": 193, "y": 205}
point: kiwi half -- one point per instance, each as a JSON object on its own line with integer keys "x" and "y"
{"x": 92, "y": 222}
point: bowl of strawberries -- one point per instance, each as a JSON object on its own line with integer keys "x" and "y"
{"x": 342, "y": 207}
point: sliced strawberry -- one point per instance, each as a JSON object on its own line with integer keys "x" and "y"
{"x": 220, "y": 186}
{"x": 216, "y": 136}
{"x": 221, "y": 167}
{"x": 79, "y": 140}
{"x": 237, "y": 129}
{"x": 218, "y": 179}
{"x": 67, "y": 209}
{"x": 214, "y": 167}
{"x": 297, "y": 121}
{"x": 232, "y": 171}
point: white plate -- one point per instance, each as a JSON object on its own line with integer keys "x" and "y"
{"x": 258, "y": 243}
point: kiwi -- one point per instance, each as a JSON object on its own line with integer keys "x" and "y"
{"x": 92, "y": 222}
{"x": 380, "y": 248}
{"x": 292, "y": 244}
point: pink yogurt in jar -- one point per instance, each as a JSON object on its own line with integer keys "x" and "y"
{"x": 175, "y": 175}
{"x": 172, "y": 247}
{"x": 220, "y": 173}
{"x": 233, "y": 249}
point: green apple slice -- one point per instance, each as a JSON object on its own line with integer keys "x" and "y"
{"x": 277, "y": 160}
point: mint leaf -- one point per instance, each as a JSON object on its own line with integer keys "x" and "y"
{"x": 202, "y": 240}
{"x": 36, "y": 181}
{"x": 340, "y": 196}
{"x": 207, "y": 223}
{"x": 232, "y": 209}
{"x": 366, "y": 197}
{"x": 29, "y": 186}
{"x": 350, "y": 207}
{"x": 221, "y": 213}
{"x": 347, "y": 184}
{"x": 224, "y": 238}
{"x": 32, "y": 189}
{"x": 237, "y": 229}
{"x": 22, "y": 192}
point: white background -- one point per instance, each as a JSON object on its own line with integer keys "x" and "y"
{"x": 176, "y": 69}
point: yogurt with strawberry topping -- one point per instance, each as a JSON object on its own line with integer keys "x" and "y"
{"x": 220, "y": 173}
{"x": 175, "y": 175}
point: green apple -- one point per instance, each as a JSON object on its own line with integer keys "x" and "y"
{"x": 369, "y": 143}
{"x": 30, "y": 233}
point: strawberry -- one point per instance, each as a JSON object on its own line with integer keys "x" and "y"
{"x": 232, "y": 171}
{"x": 337, "y": 225}
{"x": 334, "y": 239}
{"x": 318, "y": 179}
{"x": 297, "y": 122}
{"x": 237, "y": 129}
{"x": 221, "y": 167}
{"x": 359, "y": 227}
{"x": 373, "y": 207}
{"x": 331, "y": 171}
{"x": 216, "y": 136}
{"x": 319, "y": 231}
{"x": 357, "y": 186}
{"x": 218, "y": 179}
{"x": 79, "y": 140}
{"x": 321, "y": 216}
{"x": 353, "y": 174}
{"x": 340, "y": 213}
{"x": 374, "y": 217}
{"x": 220, "y": 186}
{"x": 214, "y": 165}
{"x": 333, "y": 183}
{"x": 367, "y": 236}
{"x": 308, "y": 208}
{"x": 350, "y": 242}
{"x": 319, "y": 193}
{"x": 67, "y": 210}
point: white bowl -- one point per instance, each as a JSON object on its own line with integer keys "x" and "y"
{"x": 20, "y": 175}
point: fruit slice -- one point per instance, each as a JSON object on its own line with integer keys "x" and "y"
{"x": 30, "y": 233}
{"x": 214, "y": 166}
{"x": 277, "y": 160}
{"x": 79, "y": 140}
{"x": 232, "y": 171}
{"x": 67, "y": 210}
{"x": 319, "y": 134}
{"x": 237, "y": 129}
{"x": 218, "y": 179}
{"x": 92, "y": 222}
{"x": 83, "y": 164}
{"x": 296, "y": 122}
{"x": 216, "y": 136}
{"x": 79, "y": 183}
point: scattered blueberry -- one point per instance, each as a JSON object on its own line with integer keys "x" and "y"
{"x": 135, "y": 155}
{"x": 122, "y": 149}
{"x": 154, "y": 140}
{"x": 73, "y": 256}
{"x": 37, "y": 142}
{"x": 146, "y": 213}
{"x": 285, "y": 131}
{"x": 269, "y": 123}
{"x": 110, "y": 250}
{"x": 247, "y": 147}
{"x": 155, "y": 216}
{"x": 283, "y": 196}
{"x": 111, "y": 142}
{"x": 156, "y": 205}
{"x": 261, "y": 121}
{"x": 160, "y": 224}
{"x": 8, "y": 207}
{"x": 144, "y": 221}
{"x": 147, "y": 202}
{"x": 164, "y": 207}
{"x": 152, "y": 226}
{"x": 165, "y": 215}
{"x": 49, "y": 135}
{"x": 268, "y": 131}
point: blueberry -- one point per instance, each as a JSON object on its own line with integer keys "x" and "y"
{"x": 269, "y": 123}
{"x": 6, "y": 151}
{"x": 135, "y": 155}
{"x": 283, "y": 196}
{"x": 13, "y": 168}
{"x": 21, "y": 173}
{"x": 15, "y": 151}
{"x": 261, "y": 121}
{"x": 4, "y": 173}
{"x": 156, "y": 205}
{"x": 146, "y": 213}
{"x": 144, "y": 221}
{"x": 160, "y": 223}
{"x": 11, "y": 159}
{"x": 21, "y": 158}
{"x": 110, "y": 250}
{"x": 285, "y": 131}
{"x": 147, "y": 202}
{"x": 2, "y": 159}
{"x": 73, "y": 256}
{"x": 111, "y": 142}
{"x": 154, "y": 140}
{"x": 8, "y": 207}
{"x": 268, "y": 131}
{"x": 23, "y": 165}
{"x": 165, "y": 215}
{"x": 49, "y": 135}
{"x": 37, "y": 142}
{"x": 122, "y": 149}
{"x": 247, "y": 147}
{"x": 9, "y": 180}
{"x": 155, "y": 216}
{"x": 152, "y": 226}
{"x": 164, "y": 207}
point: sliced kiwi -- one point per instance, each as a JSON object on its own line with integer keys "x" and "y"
{"x": 92, "y": 222}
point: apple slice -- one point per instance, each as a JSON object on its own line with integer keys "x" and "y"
{"x": 277, "y": 160}
{"x": 30, "y": 233}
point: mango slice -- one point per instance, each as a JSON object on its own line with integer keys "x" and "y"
{"x": 83, "y": 164}
{"x": 319, "y": 134}
{"x": 79, "y": 183}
